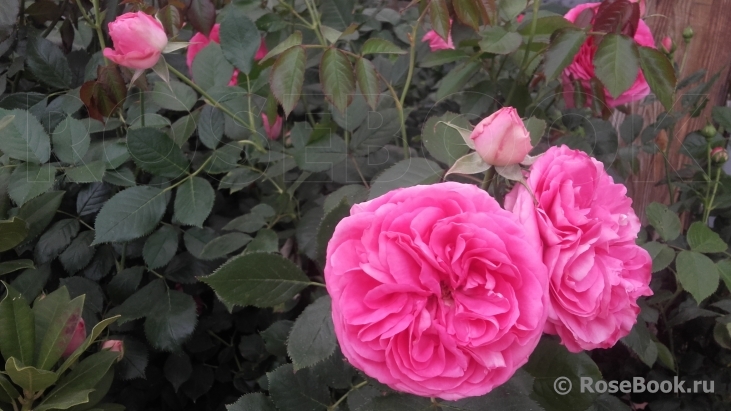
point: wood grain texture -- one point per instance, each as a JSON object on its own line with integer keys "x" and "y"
{"x": 709, "y": 50}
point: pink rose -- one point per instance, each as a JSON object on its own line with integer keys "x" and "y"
{"x": 436, "y": 290}
{"x": 114, "y": 346}
{"x": 582, "y": 68}
{"x": 588, "y": 229}
{"x": 502, "y": 139}
{"x": 138, "y": 39}
{"x": 436, "y": 42}
{"x": 667, "y": 45}
{"x": 272, "y": 130}
{"x": 199, "y": 41}
{"x": 78, "y": 335}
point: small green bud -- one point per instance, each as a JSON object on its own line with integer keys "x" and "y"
{"x": 688, "y": 34}
{"x": 708, "y": 131}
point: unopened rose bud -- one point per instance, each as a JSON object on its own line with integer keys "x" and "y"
{"x": 719, "y": 155}
{"x": 708, "y": 131}
{"x": 114, "y": 346}
{"x": 688, "y": 34}
{"x": 78, "y": 337}
{"x": 667, "y": 45}
{"x": 272, "y": 130}
{"x": 502, "y": 138}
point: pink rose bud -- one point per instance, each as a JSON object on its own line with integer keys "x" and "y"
{"x": 272, "y": 130}
{"x": 719, "y": 155}
{"x": 262, "y": 50}
{"x": 667, "y": 45}
{"x": 76, "y": 339}
{"x": 436, "y": 42}
{"x": 138, "y": 39}
{"x": 502, "y": 139}
{"x": 520, "y": 18}
{"x": 114, "y": 346}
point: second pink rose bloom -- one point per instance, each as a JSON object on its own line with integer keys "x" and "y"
{"x": 588, "y": 229}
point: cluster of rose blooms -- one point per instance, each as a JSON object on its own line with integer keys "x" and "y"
{"x": 437, "y": 290}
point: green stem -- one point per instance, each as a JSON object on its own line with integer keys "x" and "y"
{"x": 251, "y": 112}
{"x": 142, "y": 107}
{"x": 208, "y": 97}
{"x": 98, "y": 27}
{"x": 317, "y": 284}
{"x": 489, "y": 176}
{"x": 668, "y": 177}
{"x": 709, "y": 206}
{"x": 534, "y": 24}
{"x": 315, "y": 25}
{"x": 341, "y": 399}
{"x": 405, "y": 91}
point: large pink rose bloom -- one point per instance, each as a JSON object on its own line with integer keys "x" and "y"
{"x": 199, "y": 41}
{"x": 138, "y": 39}
{"x": 582, "y": 68}
{"x": 436, "y": 290}
{"x": 588, "y": 230}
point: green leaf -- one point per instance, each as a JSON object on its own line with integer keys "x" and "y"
{"x": 182, "y": 129}
{"x": 77, "y": 255}
{"x": 29, "y": 181}
{"x": 29, "y": 378}
{"x": 439, "y": 17}
{"x": 74, "y": 388}
{"x": 405, "y": 173}
{"x": 536, "y": 127}
{"x": 561, "y": 52}
{"x": 223, "y": 245}
{"x": 25, "y": 139}
{"x": 178, "y": 369}
{"x": 55, "y": 240}
{"x": 616, "y": 63}
{"x": 442, "y": 57}
{"x": 39, "y": 212}
{"x": 140, "y": 304}
{"x": 497, "y": 40}
{"x": 56, "y": 321}
{"x": 171, "y": 321}
{"x": 154, "y": 152}
{"x": 704, "y": 240}
{"x": 287, "y": 77}
{"x": 312, "y": 338}
{"x": 666, "y": 222}
{"x": 12, "y": 233}
{"x": 456, "y": 79}
{"x": 210, "y": 126}
{"x": 367, "y": 78}
{"x": 327, "y": 228}
{"x": 160, "y": 247}
{"x": 130, "y": 214}
{"x": 87, "y": 173}
{"x": 337, "y": 79}
{"x": 721, "y": 115}
{"x": 724, "y": 269}
{"x": 631, "y": 128}
{"x": 125, "y": 283}
{"x": 471, "y": 163}
{"x": 17, "y": 326}
{"x": 275, "y": 337}
{"x": 70, "y": 140}
{"x": 513, "y": 395}
{"x": 252, "y": 402}
{"x": 297, "y": 391}
{"x": 697, "y": 274}
{"x": 374, "y": 45}
{"x": 662, "y": 255}
{"x": 510, "y": 9}
{"x": 546, "y": 26}
{"x": 7, "y": 267}
{"x": 8, "y": 393}
{"x": 258, "y": 279}
{"x": 174, "y": 96}
{"x": 210, "y": 68}
{"x": 337, "y": 14}
{"x": 640, "y": 342}
{"x": 469, "y": 12}
{"x": 443, "y": 142}
{"x": 240, "y": 39}
{"x": 194, "y": 201}
{"x": 47, "y": 62}
{"x": 266, "y": 241}
{"x": 295, "y": 39}
{"x": 550, "y": 361}
{"x": 660, "y": 75}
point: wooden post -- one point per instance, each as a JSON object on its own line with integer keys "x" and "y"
{"x": 709, "y": 50}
